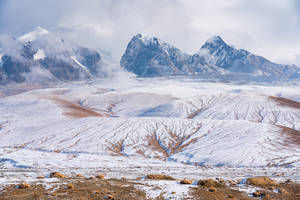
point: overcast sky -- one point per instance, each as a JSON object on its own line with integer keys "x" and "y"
{"x": 270, "y": 28}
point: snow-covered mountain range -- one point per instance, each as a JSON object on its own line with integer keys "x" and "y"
{"x": 150, "y": 57}
{"x": 40, "y": 56}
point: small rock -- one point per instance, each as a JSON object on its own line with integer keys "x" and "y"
{"x": 40, "y": 177}
{"x": 256, "y": 194}
{"x": 173, "y": 192}
{"x": 100, "y": 176}
{"x": 69, "y": 186}
{"x": 212, "y": 189}
{"x": 109, "y": 197}
{"x": 230, "y": 196}
{"x": 283, "y": 191}
{"x": 23, "y": 186}
{"x": 266, "y": 197}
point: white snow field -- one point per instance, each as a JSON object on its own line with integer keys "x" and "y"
{"x": 132, "y": 127}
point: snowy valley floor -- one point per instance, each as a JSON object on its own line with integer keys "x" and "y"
{"x": 128, "y": 127}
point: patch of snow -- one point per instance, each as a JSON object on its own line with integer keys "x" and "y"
{"x": 40, "y": 55}
{"x": 154, "y": 188}
{"x": 79, "y": 64}
{"x": 33, "y": 35}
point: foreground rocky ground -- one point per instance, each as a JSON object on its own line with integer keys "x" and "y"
{"x": 59, "y": 186}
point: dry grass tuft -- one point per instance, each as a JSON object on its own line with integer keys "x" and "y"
{"x": 261, "y": 181}
{"x": 100, "y": 176}
{"x": 208, "y": 183}
{"x": 56, "y": 175}
{"x": 79, "y": 176}
{"x": 186, "y": 181}
{"x": 159, "y": 177}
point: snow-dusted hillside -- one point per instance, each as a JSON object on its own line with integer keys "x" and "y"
{"x": 201, "y": 123}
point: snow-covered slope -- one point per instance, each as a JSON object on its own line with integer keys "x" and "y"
{"x": 150, "y": 57}
{"x": 40, "y": 56}
{"x": 211, "y": 124}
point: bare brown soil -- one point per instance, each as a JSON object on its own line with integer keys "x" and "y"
{"x": 286, "y": 102}
{"x": 261, "y": 181}
{"x": 75, "y": 189}
{"x": 293, "y": 135}
{"x": 74, "y": 110}
{"x": 159, "y": 177}
{"x": 282, "y": 191}
{"x": 210, "y": 189}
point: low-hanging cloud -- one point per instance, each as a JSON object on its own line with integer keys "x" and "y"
{"x": 269, "y": 28}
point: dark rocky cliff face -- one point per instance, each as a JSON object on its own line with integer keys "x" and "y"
{"x": 51, "y": 55}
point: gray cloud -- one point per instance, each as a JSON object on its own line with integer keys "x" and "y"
{"x": 270, "y": 28}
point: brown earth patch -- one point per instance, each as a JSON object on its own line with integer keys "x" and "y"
{"x": 76, "y": 189}
{"x": 286, "y": 102}
{"x": 159, "y": 177}
{"x": 220, "y": 193}
{"x": 286, "y": 191}
{"x": 74, "y": 110}
{"x": 293, "y": 134}
{"x": 261, "y": 181}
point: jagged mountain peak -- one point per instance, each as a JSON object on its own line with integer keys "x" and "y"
{"x": 32, "y": 35}
{"x": 214, "y": 43}
{"x": 146, "y": 57}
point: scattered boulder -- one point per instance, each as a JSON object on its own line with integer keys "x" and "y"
{"x": 186, "y": 181}
{"x": 40, "y": 177}
{"x": 261, "y": 181}
{"x": 173, "y": 192}
{"x": 56, "y": 175}
{"x": 23, "y": 186}
{"x": 109, "y": 196}
{"x": 159, "y": 177}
